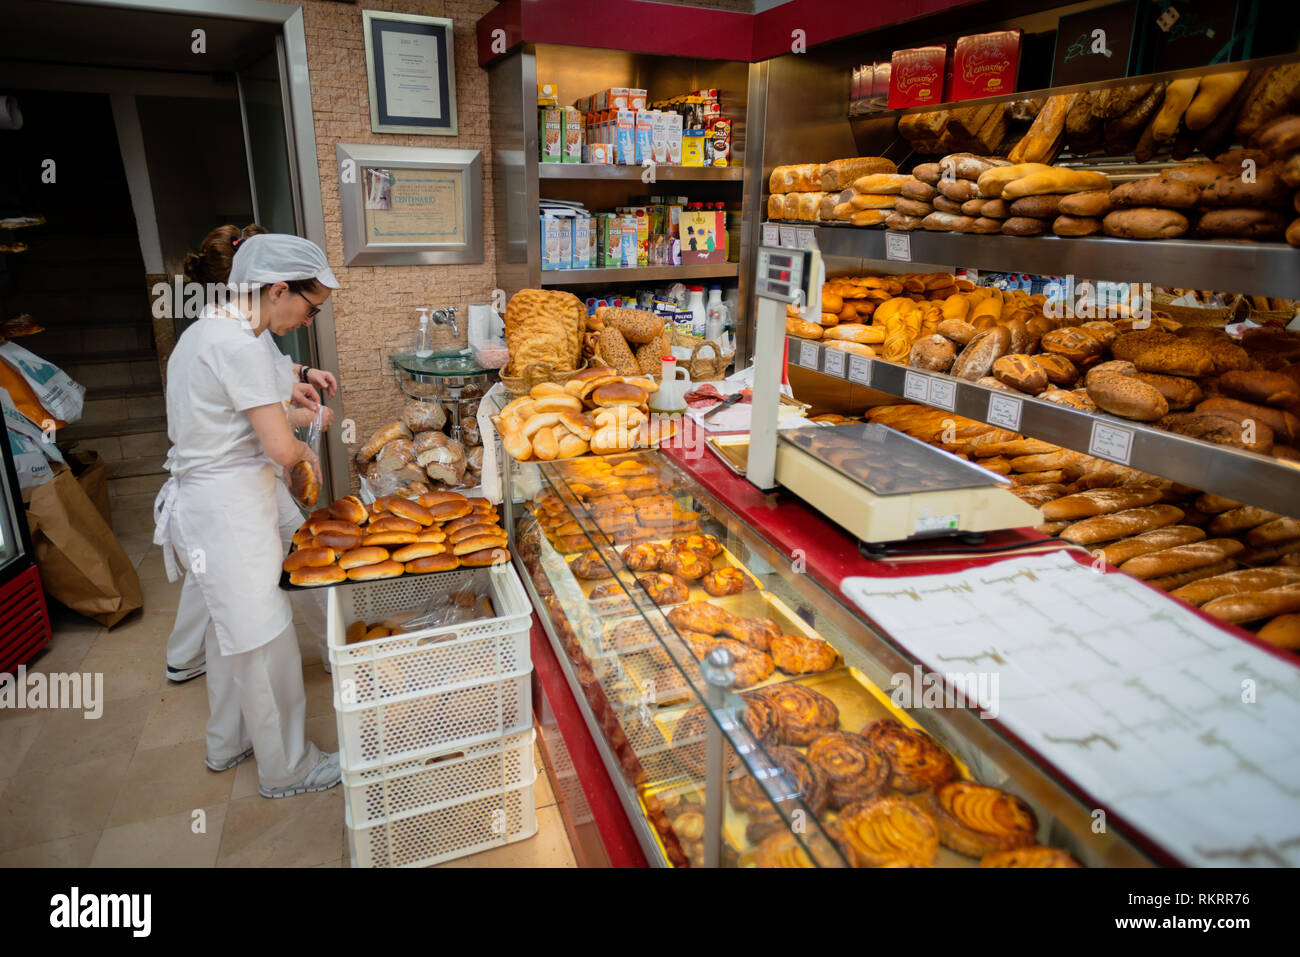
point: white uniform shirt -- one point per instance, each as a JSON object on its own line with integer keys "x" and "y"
{"x": 217, "y": 372}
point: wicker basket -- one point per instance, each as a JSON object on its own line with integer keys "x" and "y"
{"x": 536, "y": 374}
{"x": 702, "y": 368}
{"x": 1264, "y": 316}
{"x": 1197, "y": 316}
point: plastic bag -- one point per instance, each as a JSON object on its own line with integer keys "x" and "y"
{"x": 303, "y": 478}
{"x": 32, "y": 454}
{"x": 466, "y": 604}
{"x": 54, "y": 388}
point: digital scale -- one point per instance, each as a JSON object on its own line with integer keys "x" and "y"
{"x": 876, "y": 482}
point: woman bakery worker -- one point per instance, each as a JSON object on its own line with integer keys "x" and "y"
{"x": 218, "y": 511}
{"x": 210, "y": 268}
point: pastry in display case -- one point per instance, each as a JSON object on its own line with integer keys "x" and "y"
{"x": 692, "y": 648}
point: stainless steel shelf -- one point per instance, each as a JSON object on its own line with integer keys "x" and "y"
{"x": 1253, "y": 479}
{"x": 578, "y": 277}
{"x": 608, "y": 171}
{"x": 1261, "y": 269}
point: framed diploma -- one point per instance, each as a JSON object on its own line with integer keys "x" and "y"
{"x": 411, "y": 66}
{"x": 408, "y": 205}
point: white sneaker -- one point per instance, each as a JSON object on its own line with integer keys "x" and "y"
{"x": 229, "y": 763}
{"x": 325, "y": 775}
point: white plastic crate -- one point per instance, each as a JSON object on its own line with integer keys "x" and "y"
{"x": 431, "y": 836}
{"x": 415, "y": 724}
{"x": 446, "y": 775}
{"x": 387, "y": 668}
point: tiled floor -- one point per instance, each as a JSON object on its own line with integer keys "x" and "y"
{"x": 131, "y": 790}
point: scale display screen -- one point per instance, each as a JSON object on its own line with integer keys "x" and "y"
{"x": 781, "y": 274}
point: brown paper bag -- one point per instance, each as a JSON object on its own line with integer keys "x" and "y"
{"x": 92, "y": 476}
{"x": 81, "y": 562}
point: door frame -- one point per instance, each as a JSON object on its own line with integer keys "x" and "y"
{"x": 302, "y": 147}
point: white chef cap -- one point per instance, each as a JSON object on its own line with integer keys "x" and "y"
{"x": 279, "y": 257}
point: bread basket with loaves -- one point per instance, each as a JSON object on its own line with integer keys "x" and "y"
{"x": 1199, "y": 316}
{"x": 544, "y": 332}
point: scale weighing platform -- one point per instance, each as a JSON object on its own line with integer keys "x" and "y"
{"x": 876, "y": 482}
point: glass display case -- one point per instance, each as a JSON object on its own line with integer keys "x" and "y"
{"x": 745, "y": 714}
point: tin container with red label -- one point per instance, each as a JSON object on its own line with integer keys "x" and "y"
{"x": 916, "y": 76}
{"x": 985, "y": 64}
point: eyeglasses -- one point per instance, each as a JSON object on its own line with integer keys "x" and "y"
{"x": 314, "y": 311}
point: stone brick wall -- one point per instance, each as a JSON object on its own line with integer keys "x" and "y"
{"x": 376, "y": 304}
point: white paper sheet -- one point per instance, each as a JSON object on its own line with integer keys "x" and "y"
{"x": 1188, "y": 732}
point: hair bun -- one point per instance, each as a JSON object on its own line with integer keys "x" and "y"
{"x": 190, "y": 267}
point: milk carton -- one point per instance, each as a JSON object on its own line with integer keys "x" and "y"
{"x": 581, "y": 242}
{"x": 624, "y": 130}
{"x": 571, "y": 151}
{"x": 557, "y": 241}
{"x": 659, "y": 138}
{"x": 644, "y": 129}
{"x": 674, "y": 127}
{"x": 628, "y": 252}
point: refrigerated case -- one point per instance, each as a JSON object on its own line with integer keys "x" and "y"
{"x": 24, "y": 618}
{"x": 748, "y": 763}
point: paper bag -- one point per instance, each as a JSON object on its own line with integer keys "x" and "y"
{"x": 92, "y": 476}
{"x": 82, "y": 564}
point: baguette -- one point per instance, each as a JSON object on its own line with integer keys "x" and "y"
{"x": 1124, "y": 130}
{"x": 1254, "y": 605}
{"x": 1285, "y": 425}
{"x": 839, "y": 174}
{"x": 1273, "y": 532}
{"x": 992, "y": 182}
{"x": 1059, "y": 180}
{"x": 1234, "y": 583}
{"x": 1182, "y": 558}
{"x": 1179, "y": 580}
{"x": 1040, "y": 142}
{"x": 1212, "y": 95}
{"x": 1152, "y": 541}
{"x": 1283, "y": 631}
{"x": 1275, "y": 93}
{"x": 1105, "y": 528}
{"x": 1100, "y": 501}
{"x": 890, "y": 183}
{"x": 1178, "y": 97}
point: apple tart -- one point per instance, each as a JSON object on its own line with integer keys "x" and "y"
{"x": 976, "y": 820}
{"x": 1036, "y": 856}
{"x": 781, "y": 849}
{"x": 889, "y": 832}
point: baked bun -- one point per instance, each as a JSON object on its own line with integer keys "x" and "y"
{"x": 320, "y": 526}
{"x": 431, "y": 499}
{"x": 389, "y": 538}
{"x": 433, "y": 563}
{"x": 340, "y": 539}
{"x": 618, "y": 393}
{"x": 449, "y": 510}
{"x": 469, "y": 531}
{"x": 589, "y": 377}
{"x": 455, "y": 525}
{"x": 303, "y": 538}
{"x": 498, "y": 555}
{"x": 558, "y": 403}
{"x": 410, "y": 553}
{"x": 384, "y": 569}
{"x": 478, "y": 543}
{"x": 578, "y": 424}
{"x": 366, "y": 555}
{"x": 349, "y": 509}
{"x": 304, "y": 483}
{"x": 314, "y": 557}
{"x": 318, "y": 575}
{"x": 391, "y": 523}
{"x": 414, "y": 511}
{"x": 431, "y": 535}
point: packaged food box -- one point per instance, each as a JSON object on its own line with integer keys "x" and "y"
{"x": 597, "y": 153}
{"x": 674, "y": 126}
{"x": 581, "y": 243}
{"x": 550, "y": 134}
{"x": 644, "y": 133}
{"x": 692, "y": 147}
{"x": 624, "y": 130}
{"x": 636, "y": 99}
{"x": 557, "y": 241}
{"x": 573, "y": 128}
{"x": 627, "y": 253}
{"x": 916, "y": 76}
{"x": 703, "y": 237}
{"x": 659, "y": 137}
{"x": 985, "y": 64}
{"x": 609, "y": 249}
{"x": 548, "y": 94}
{"x": 720, "y": 137}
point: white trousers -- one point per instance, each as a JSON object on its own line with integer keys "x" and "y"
{"x": 187, "y": 642}
{"x": 257, "y": 698}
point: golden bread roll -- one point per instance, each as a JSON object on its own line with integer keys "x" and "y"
{"x": 318, "y": 575}
{"x": 340, "y": 540}
{"x": 469, "y": 531}
{"x": 303, "y": 538}
{"x": 856, "y": 332}
{"x": 447, "y": 511}
{"x": 366, "y": 555}
{"x": 431, "y": 535}
{"x": 389, "y": 538}
{"x": 433, "y": 563}
{"x": 349, "y": 509}
{"x": 409, "y": 553}
{"x": 618, "y": 393}
{"x": 384, "y": 569}
{"x": 498, "y": 555}
{"x": 314, "y": 557}
{"x": 392, "y": 523}
{"x": 1283, "y": 631}
{"x": 430, "y": 499}
{"x": 545, "y": 445}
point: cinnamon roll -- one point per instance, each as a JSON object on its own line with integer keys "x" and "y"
{"x": 977, "y": 820}
{"x": 804, "y": 778}
{"x": 689, "y": 743}
{"x": 798, "y": 655}
{"x": 917, "y": 760}
{"x": 889, "y": 832}
{"x": 1035, "y": 856}
{"x": 805, "y": 714}
{"x": 855, "y": 769}
{"x": 761, "y": 718}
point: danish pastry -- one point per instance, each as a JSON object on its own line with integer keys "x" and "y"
{"x": 889, "y": 832}
{"x": 747, "y": 664}
{"x": 665, "y": 589}
{"x": 761, "y": 719}
{"x": 726, "y": 581}
{"x": 1035, "y": 856}
{"x": 976, "y": 820}
{"x": 607, "y": 590}
{"x": 755, "y": 632}
{"x": 916, "y": 759}
{"x": 654, "y": 510}
{"x": 641, "y": 558}
{"x": 591, "y": 566}
{"x": 805, "y": 714}
{"x": 798, "y": 655}
{"x": 686, "y": 564}
{"x": 781, "y": 849}
{"x": 706, "y": 545}
{"x": 803, "y": 777}
{"x": 855, "y": 769}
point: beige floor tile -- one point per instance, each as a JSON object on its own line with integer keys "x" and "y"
{"x": 40, "y": 807}
{"x": 64, "y": 653}
{"x": 18, "y": 736}
{"x": 144, "y": 635}
{"x": 245, "y": 782}
{"x": 126, "y": 675}
{"x": 324, "y": 731}
{"x": 339, "y": 863}
{"x": 319, "y": 687}
{"x": 68, "y": 738}
{"x": 75, "y": 851}
{"x": 549, "y": 847}
{"x": 65, "y": 621}
{"x": 151, "y": 568}
{"x": 299, "y": 831}
{"x": 180, "y": 713}
{"x": 168, "y": 841}
{"x": 171, "y": 780}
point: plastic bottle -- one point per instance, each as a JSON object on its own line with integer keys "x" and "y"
{"x": 425, "y": 349}
{"x": 717, "y": 316}
{"x": 699, "y": 316}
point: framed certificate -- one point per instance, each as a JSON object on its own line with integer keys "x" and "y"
{"x": 411, "y": 67}
{"x": 408, "y": 205}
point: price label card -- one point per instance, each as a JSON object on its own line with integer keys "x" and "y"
{"x": 859, "y": 370}
{"x": 835, "y": 362}
{"x": 771, "y": 234}
{"x": 898, "y": 247}
{"x": 1111, "y": 442}
{"x": 1004, "y": 411}
{"x": 916, "y": 387}
{"x": 788, "y": 236}
{"x": 806, "y": 237}
{"x": 943, "y": 394}
{"x": 808, "y": 355}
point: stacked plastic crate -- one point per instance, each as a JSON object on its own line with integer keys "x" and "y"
{"x": 435, "y": 725}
